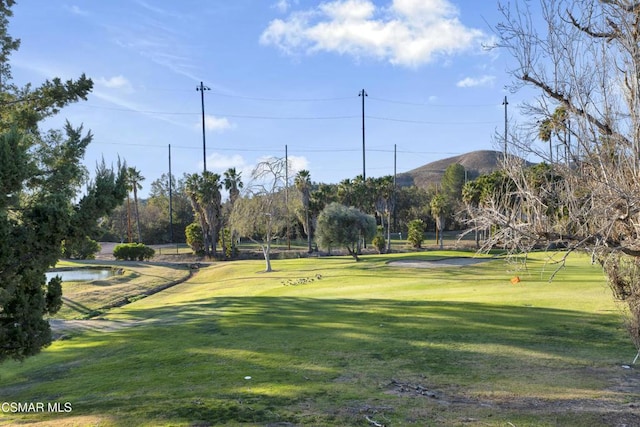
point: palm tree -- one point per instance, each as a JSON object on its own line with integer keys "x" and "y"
{"x": 345, "y": 192}
{"x": 232, "y": 183}
{"x": 192, "y": 185}
{"x": 439, "y": 208}
{"x": 303, "y": 184}
{"x": 134, "y": 178}
{"x": 204, "y": 193}
{"x": 552, "y": 126}
{"x": 212, "y": 201}
{"x": 383, "y": 190}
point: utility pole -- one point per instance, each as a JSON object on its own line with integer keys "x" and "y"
{"x": 286, "y": 191}
{"x": 170, "y": 200}
{"x": 363, "y": 94}
{"x": 395, "y": 188}
{"x": 393, "y": 201}
{"x": 505, "y": 103}
{"x": 202, "y": 88}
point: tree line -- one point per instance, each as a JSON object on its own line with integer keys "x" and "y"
{"x": 197, "y": 205}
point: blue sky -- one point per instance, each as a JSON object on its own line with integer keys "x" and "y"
{"x": 280, "y": 72}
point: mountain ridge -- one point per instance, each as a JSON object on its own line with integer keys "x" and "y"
{"x": 475, "y": 163}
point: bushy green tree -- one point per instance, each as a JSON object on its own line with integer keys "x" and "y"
{"x": 452, "y": 182}
{"x": 342, "y": 226}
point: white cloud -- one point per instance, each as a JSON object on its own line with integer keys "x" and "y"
{"x": 485, "y": 80}
{"x": 282, "y": 6}
{"x": 76, "y": 10}
{"x": 406, "y": 32}
{"x": 216, "y": 124}
{"x": 116, "y": 82}
{"x": 297, "y": 163}
{"x": 220, "y": 162}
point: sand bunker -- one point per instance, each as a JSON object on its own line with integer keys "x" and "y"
{"x": 443, "y": 263}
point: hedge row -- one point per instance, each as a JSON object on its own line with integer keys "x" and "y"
{"x": 133, "y": 252}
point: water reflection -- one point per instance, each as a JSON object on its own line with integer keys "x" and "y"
{"x": 81, "y": 275}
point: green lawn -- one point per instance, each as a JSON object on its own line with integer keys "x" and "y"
{"x": 333, "y": 342}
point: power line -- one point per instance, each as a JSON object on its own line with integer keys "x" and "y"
{"x": 426, "y": 122}
{"x": 237, "y": 116}
{"x": 251, "y": 150}
{"x": 256, "y": 98}
{"x": 234, "y": 116}
{"x": 253, "y": 98}
{"x": 263, "y": 149}
{"x": 333, "y": 99}
{"x": 297, "y": 118}
{"x": 429, "y": 104}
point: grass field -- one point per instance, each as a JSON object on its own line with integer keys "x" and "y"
{"x": 328, "y": 341}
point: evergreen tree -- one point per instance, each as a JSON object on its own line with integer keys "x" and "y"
{"x": 40, "y": 180}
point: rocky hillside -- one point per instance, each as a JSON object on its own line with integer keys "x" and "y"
{"x": 476, "y": 163}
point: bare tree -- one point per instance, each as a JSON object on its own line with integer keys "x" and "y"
{"x": 583, "y": 59}
{"x": 262, "y": 213}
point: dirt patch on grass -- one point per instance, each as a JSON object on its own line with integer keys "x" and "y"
{"x": 442, "y": 263}
{"x": 614, "y": 411}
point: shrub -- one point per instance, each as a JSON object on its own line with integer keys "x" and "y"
{"x": 379, "y": 241}
{"x": 416, "y": 233}
{"x": 227, "y": 244}
{"x": 83, "y": 248}
{"x": 195, "y": 239}
{"x": 133, "y": 252}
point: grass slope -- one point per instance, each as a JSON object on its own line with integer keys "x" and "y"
{"x": 88, "y": 299}
{"x": 334, "y": 342}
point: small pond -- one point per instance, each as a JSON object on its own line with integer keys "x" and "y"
{"x": 81, "y": 274}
